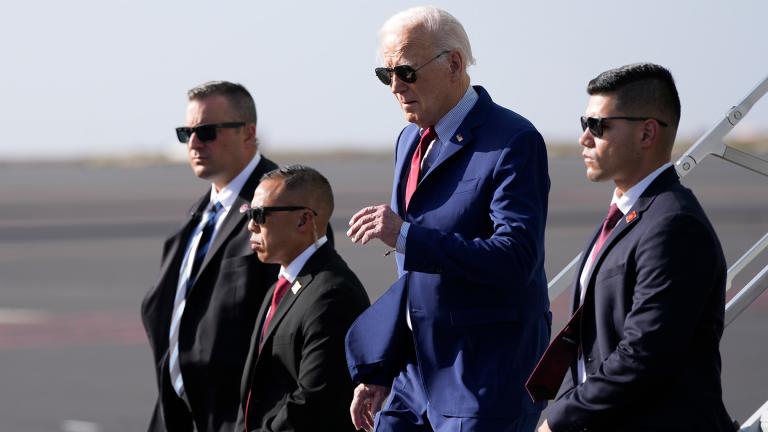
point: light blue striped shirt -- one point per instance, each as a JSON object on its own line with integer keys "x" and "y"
{"x": 445, "y": 128}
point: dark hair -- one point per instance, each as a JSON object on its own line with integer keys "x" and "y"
{"x": 237, "y": 96}
{"x": 640, "y": 89}
{"x": 304, "y": 181}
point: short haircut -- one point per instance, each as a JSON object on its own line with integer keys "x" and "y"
{"x": 445, "y": 30}
{"x": 640, "y": 89}
{"x": 306, "y": 182}
{"x": 239, "y": 98}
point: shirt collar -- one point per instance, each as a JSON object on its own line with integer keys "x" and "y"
{"x": 447, "y": 126}
{"x": 626, "y": 201}
{"x": 227, "y": 195}
{"x": 292, "y": 271}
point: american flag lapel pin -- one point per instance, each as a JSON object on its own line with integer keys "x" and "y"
{"x": 631, "y": 216}
{"x": 459, "y": 138}
{"x": 295, "y": 287}
{"x": 244, "y": 208}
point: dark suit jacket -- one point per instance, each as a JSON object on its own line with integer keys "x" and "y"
{"x": 651, "y": 324}
{"x": 216, "y": 327}
{"x": 299, "y": 381}
{"x": 473, "y": 270}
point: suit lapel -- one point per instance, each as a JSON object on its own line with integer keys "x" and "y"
{"x": 299, "y": 286}
{"x": 632, "y": 218}
{"x": 234, "y": 221}
{"x": 409, "y": 139}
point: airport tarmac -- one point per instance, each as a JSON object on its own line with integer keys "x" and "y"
{"x": 80, "y": 245}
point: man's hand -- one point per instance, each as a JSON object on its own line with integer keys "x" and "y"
{"x": 366, "y": 402}
{"x": 544, "y": 427}
{"x": 375, "y": 222}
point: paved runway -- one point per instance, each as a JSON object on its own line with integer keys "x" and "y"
{"x": 80, "y": 245}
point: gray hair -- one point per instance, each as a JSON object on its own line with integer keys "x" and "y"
{"x": 445, "y": 30}
{"x": 237, "y": 95}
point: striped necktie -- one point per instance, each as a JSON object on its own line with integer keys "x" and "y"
{"x": 187, "y": 278}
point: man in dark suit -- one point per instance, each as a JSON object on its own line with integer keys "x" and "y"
{"x": 458, "y": 334}
{"x": 649, "y": 302}
{"x": 296, "y": 378}
{"x": 200, "y": 313}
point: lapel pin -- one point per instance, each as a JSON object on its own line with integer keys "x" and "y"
{"x": 459, "y": 138}
{"x": 244, "y": 208}
{"x": 631, "y": 216}
{"x": 295, "y": 287}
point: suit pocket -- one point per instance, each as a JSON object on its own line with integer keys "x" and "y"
{"x": 465, "y": 186}
{"x": 470, "y": 317}
{"x": 610, "y": 272}
{"x": 282, "y": 339}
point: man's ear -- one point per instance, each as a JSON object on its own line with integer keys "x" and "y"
{"x": 303, "y": 220}
{"x": 649, "y": 134}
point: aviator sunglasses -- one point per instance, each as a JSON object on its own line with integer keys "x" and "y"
{"x": 595, "y": 124}
{"x": 405, "y": 72}
{"x": 205, "y": 132}
{"x": 259, "y": 214}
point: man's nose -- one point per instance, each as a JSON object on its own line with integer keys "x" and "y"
{"x": 586, "y": 139}
{"x": 253, "y": 227}
{"x": 194, "y": 141}
{"x": 398, "y": 85}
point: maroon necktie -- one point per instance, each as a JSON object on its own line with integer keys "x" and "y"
{"x": 280, "y": 289}
{"x": 413, "y": 174}
{"x": 548, "y": 374}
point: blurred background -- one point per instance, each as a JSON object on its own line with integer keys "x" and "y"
{"x": 93, "y": 179}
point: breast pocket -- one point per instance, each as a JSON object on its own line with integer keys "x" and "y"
{"x": 466, "y": 186}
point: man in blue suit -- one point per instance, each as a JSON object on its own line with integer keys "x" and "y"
{"x": 649, "y": 302}
{"x": 448, "y": 347}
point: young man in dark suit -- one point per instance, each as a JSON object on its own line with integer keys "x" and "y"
{"x": 296, "y": 376}
{"x": 649, "y": 303}
{"x": 200, "y": 313}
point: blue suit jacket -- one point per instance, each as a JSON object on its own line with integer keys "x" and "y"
{"x": 651, "y": 324}
{"x": 473, "y": 272}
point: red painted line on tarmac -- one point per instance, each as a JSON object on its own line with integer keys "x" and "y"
{"x": 89, "y": 328}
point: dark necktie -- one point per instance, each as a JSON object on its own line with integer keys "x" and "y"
{"x": 280, "y": 289}
{"x": 548, "y": 374}
{"x": 204, "y": 244}
{"x": 198, "y": 255}
{"x": 413, "y": 174}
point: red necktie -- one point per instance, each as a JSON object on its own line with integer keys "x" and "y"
{"x": 413, "y": 174}
{"x": 610, "y": 221}
{"x": 280, "y": 289}
{"x": 562, "y": 351}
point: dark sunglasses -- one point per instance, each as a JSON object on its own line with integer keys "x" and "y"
{"x": 405, "y": 72}
{"x": 595, "y": 124}
{"x": 205, "y": 132}
{"x": 259, "y": 214}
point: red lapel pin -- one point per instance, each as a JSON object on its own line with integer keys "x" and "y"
{"x": 631, "y": 216}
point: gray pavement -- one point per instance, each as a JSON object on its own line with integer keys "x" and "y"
{"x": 80, "y": 245}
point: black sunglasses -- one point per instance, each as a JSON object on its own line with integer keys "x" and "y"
{"x": 259, "y": 214}
{"x": 205, "y": 132}
{"x": 405, "y": 72}
{"x": 595, "y": 124}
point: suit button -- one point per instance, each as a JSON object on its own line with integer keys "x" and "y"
{"x": 588, "y": 359}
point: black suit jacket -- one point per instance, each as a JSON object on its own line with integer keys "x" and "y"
{"x": 299, "y": 381}
{"x": 652, "y": 322}
{"x": 218, "y": 319}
